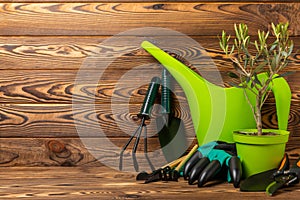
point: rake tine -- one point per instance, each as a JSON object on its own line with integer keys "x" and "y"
{"x": 125, "y": 147}
{"x": 136, "y": 143}
{"x": 146, "y": 149}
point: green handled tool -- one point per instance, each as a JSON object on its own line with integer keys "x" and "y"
{"x": 272, "y": 180}
{"x": 284, "y": 178}
{"x": 259, "y": 182}
{"x": 143, "y": 115}
{"x": 171, "y": 136}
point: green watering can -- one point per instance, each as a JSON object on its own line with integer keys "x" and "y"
{"x": 216, "y": 111}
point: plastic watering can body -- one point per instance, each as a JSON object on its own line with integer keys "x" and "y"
{"x": 216, "y": 111}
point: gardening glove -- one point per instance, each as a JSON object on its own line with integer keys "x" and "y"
{"x": 211, "y": 159}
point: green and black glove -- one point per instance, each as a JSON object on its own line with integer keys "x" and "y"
{"x": 212, "y": 159}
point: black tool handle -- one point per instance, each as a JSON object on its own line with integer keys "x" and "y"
{"x": 149, "y": 98}
{"x": 296, "y": 168}
{"x": 165, "y": 92}
{"x": 284, "y": 165}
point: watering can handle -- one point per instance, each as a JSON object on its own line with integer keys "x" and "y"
{"x": 282, "y": 94}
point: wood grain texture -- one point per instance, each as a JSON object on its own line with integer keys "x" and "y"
{"x": 56, "y": 86}
{"x": 42, "y": 46}
{"x": 77, "y": 152}
{"x": 112, "y": 18}
{"x": 40, "y": 120}
{"x": 139, "y": 1}
{"x": 105, "y": 183}
{"x": 48, "y": 93}
{"x": 64, "y": 151}
{"x": 62, "y": 52}
{"x": 59, "y": 87}
{"x": 43, "y": 152}
{"x": 43, "y": 120}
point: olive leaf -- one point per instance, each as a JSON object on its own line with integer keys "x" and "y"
{"x": 233, "y": 75}
{"x": 256, "y": 80}
{"x": 264, "y": 55}
{"x": 236, "y": 85}
{"x": 284, "y": 74}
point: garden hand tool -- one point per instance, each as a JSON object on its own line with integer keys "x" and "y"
{"x": 171, "y": 136}
{"x": 143, "y": 115}
{"x": 176, "y": 173}
{"x": 284, "y": 177}
{"x": 259, "y": 182}
{"x": 171, "y": 174}
{"x": 158, "y": 173}
{"x": 208, "y": 161}
{"x": 216, "y": 111}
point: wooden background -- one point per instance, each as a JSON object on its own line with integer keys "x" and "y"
{"x": 44, "y": 43}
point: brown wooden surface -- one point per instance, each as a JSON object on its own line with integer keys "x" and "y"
{"x": 105, "y": 183}
{"x": 38, "y": 73}
{"x": 139, "y": 1}
{"x": 112, "y": 18}
{"x": 73, "y": 152}
{"x": 43, "y": 44}
{"x": 29, "y": 120}
{"x": 70, "y": 52}
{"x": 33, "y": 96}
{"x": 40, "y": 86}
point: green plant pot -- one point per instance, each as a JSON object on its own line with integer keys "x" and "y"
{"x": 260, "y": 153}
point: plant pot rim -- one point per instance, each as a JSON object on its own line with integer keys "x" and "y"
{"x": 282, "y": 137}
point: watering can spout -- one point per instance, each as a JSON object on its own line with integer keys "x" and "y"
{"x": 184, "y": 75}
{"x": 206, "y": 100}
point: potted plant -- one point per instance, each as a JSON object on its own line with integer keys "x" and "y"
{"x": 258, "y": 66}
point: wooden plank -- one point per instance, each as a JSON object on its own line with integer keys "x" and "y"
{"x": 60, "y": 87}
{"x": 139, "y": 1}
{"x": 105, "y": 120}
{"x": 63, "y": 53}
{"x": 76, "y": 152}
{"x": 65, "y": 151}
{"x": 104, "y": 183}
{"x": 58, "y": 120}
{"x": 44, "y": 152}
{"x": 113, "y": 18}
{"x": 56, "y": 86}
{"x": 71, "y": 52}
